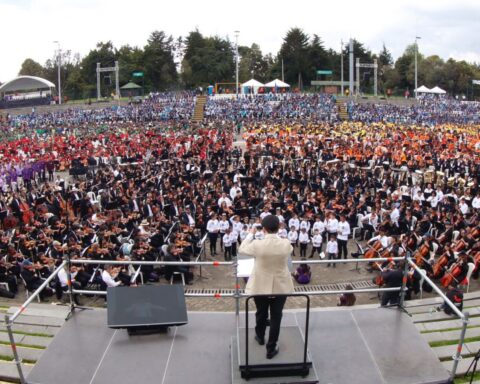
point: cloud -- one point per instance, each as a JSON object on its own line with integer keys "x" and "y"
{"x": 448, "y": 28}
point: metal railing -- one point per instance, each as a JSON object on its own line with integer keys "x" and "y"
{"x": 463, "y": 316}
{"x": 237, "y": 295}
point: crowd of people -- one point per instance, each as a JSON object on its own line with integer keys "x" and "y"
{"x": 428, "y": 111}
{"x": 148, "y": 184}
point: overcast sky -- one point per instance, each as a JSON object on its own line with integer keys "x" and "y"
{"x": 449, "y": 28}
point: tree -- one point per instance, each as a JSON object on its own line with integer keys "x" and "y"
{"x": 105, "y": 54}
{"x": 207, "y": 60}
{"x": 294, "y": 52}
{"x": 130, "y": 59}
{"x": 31, "y": 68}
{"x": 405, "y": 66}
{"x": 160, "y": 69}
{"x": 252, "y": 64}
{"x": 385, "y": 62}
{"x": 385, "y": 57}
{"x": 318, "y": 57}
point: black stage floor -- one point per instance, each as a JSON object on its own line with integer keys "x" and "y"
{"x": 362, "y": 346}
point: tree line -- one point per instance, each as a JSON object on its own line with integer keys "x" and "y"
{"x": 170, "y": 63}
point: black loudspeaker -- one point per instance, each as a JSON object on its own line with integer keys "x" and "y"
{"x": 146, "y": 309}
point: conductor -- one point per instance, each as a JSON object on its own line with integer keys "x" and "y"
{"x": 270, "y": 276}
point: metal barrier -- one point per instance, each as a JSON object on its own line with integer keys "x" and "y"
{"x": 460, "y": 314}
{"x": 9, "y": 320}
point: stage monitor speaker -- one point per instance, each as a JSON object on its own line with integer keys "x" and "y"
{"x": 146, "y": 309}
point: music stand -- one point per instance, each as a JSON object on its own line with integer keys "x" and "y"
{"x": 473, "y": 366}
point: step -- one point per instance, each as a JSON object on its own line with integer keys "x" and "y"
{"x": 439, "y": 325}
{"x": 426, "y": 308}
{"x": 40, "y": 320}
{"x": 448, "y": 351}
{"x": 461, "y": 368}
{"x": 435, "y": 300}
{"x": 440, "y": 315}
{"x": 8, "y": 371}
{"x": 450, "y": 335}
{"x": 31, "y": 328}
{"x": 31, "y": 354}
{"x": 55, "y": 311}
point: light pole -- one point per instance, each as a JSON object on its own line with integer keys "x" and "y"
{"x": 341, "y": 65}
{"x": 416, "y": 69}
{"x": 236, "y": 62}
{"x": 59, "y": 64}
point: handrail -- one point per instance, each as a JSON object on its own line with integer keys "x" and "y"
{"x": 218, "y": 263}
{"x": 10, "y": 319}
{"x": 235, "y": 295}
{"x": 438, "y": 290}
{"x": 463, "y": 316}
{"x": 34, "y": 295}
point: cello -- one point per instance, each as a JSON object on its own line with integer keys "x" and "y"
{"x": 420, "y": 254}
{"x": 452, "y": 274}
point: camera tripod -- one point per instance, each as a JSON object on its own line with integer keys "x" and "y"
{"x": 473, "y": 366}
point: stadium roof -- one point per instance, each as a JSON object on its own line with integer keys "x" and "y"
{"x": 24, "y": 83}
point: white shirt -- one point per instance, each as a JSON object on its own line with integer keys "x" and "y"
{"x": 282, "y": 233}
{"x": 63, "y": 277}
{"x": 320, "y": 225}
{"x": 234, "y": 191}
{"x": 385, "y": 240}
{"x": 332, "y": 247}
{"x": 317, "y": 240}
{"x": 372, "y": 220}
{"x": 293, "y": 236}
{"x": 305, "y": 224}
{"x": 227, "y": 240}
{"x": 332, "y": 225}
{"x": 464, "y": 208}
{"x": 294, "y": 223}
{"x": 237, "y": 226}
{"x": 343, "y": 230}
{"x": 394, "y": 216}
{"x": 213, "y": 226}
{"x": 303, "y": 237}
{"x": 433, "y": 200}
{"x": 107, "y": 279}
{"x": 281, "y": 218}
{"x": 264, "y": 214}
{"x": 223, "y": 225}
{"x": 476, "y": 202}
{"x": 259, "y": 235}
{"x": 226, "y": 200}
{"x": 243, "y": 234}
{"x": 234, "y": 236}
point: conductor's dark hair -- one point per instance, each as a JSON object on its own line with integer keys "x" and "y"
{"x": 271, "y": 223}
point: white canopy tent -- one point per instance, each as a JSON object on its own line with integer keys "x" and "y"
{"x": 277, "y": 84}
{"x": 437, "y": 90}
{"x": 25, "y": 83}
{"x": 251, "y": 85}
{"x": 423, "y": 89}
